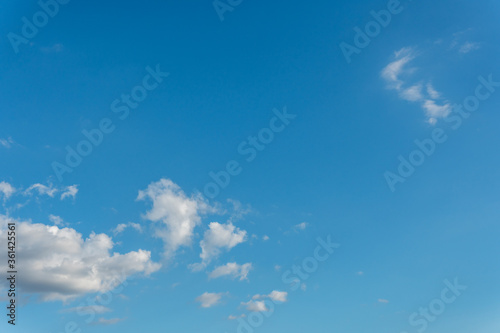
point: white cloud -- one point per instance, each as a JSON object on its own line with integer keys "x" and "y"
{"x": 301, "y": 226}
{"x": 70, "y": 191}
{"x": 122, "y": 226}
{"x": 207, "y": 300}
{"x": 42, "y": 190}
{"x": 178, "y": 214}
{"x": 216, "y": 238}
{"x": 468, "y": 47}
{"x": 265, "y": 238}
{"x": 255, "y": 306}
{"x": 434, "y": 110}
{"x": 432, "y": 92}
{"x": 7, "y": 143}
{"x": 394, "y": 69}
{"x": 279, "y": 296}
{"x": 58, "y": 264}
{"x": 6, "y": 189}
{"x": 57, "y": 220}
{"x": 412, "y": 94}
{"x": 233, "y": 270}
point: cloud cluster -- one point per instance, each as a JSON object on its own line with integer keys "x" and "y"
{"x": 177, "y": 214}
{"x": 425, "y": 94}
{"x": 258, "y": 304}
{"x": 58, "y": 264}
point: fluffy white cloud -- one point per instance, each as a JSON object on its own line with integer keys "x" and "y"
{"x": 217, "y": 238}
{"x": 435, "y": 111}
{"x": 58, "y": 264}
{"x": 208, "y": 300}
{"x": 275, "y": 295}
{"x": 69, "y": 191}
{"x": 178, "y": 214}
{"x": 233, "y": 270}
{"x": 6, "y": 189}
{"x": 412, "y": 94}
{"x": 255, "y": 306}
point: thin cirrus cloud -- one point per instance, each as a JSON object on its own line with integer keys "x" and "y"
{"x": 50, "y": 190}
{"x": 396, "y": 75}
{"x": 59, "y": 264}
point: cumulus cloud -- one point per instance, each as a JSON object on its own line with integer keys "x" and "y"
{"x": 232, "y": 270}
{"x": 217, "y": 238}
{"x": 69, "y": 191}
{"x": 430, "y": 99}
{"x": 207, "y": 300}
{"x": 6, "y": 189}
{"x": 59, "y": 264}
{"x": 177, "y": 213}
{"x": 256, "y": 304}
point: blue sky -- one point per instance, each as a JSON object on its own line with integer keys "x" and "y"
{"x": 137, "y": 207}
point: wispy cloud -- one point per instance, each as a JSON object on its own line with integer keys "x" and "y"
{"x": 232, "y": 270}
{"x": 7, "y": 143}
{"x": 429, "y": 98}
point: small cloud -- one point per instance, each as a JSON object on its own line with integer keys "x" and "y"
{"x": 468, "y": 47}
{"x": 380, "y": 300}
{"x": 432, "y": 92}
{"x": 57, "y": 220}
{"x": 122, "y": 226}
{"x": 301, "y": 226}
{"x": 303, "y": 287}
{"x": 255, "y": 306}
{"x": 233, "y": 270}
{"x": 208, "y": 300}
{"x": 69, "y": 191}
{"x": 277, "y": 268}
{"x": 41, "y": 189}
{"x": 6, "y": 189}
{"x": 265, "y": 238}
{"x": 7, "y": 143}
{"x": 360, "y": 273}
{"x": 412, "y": 94}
